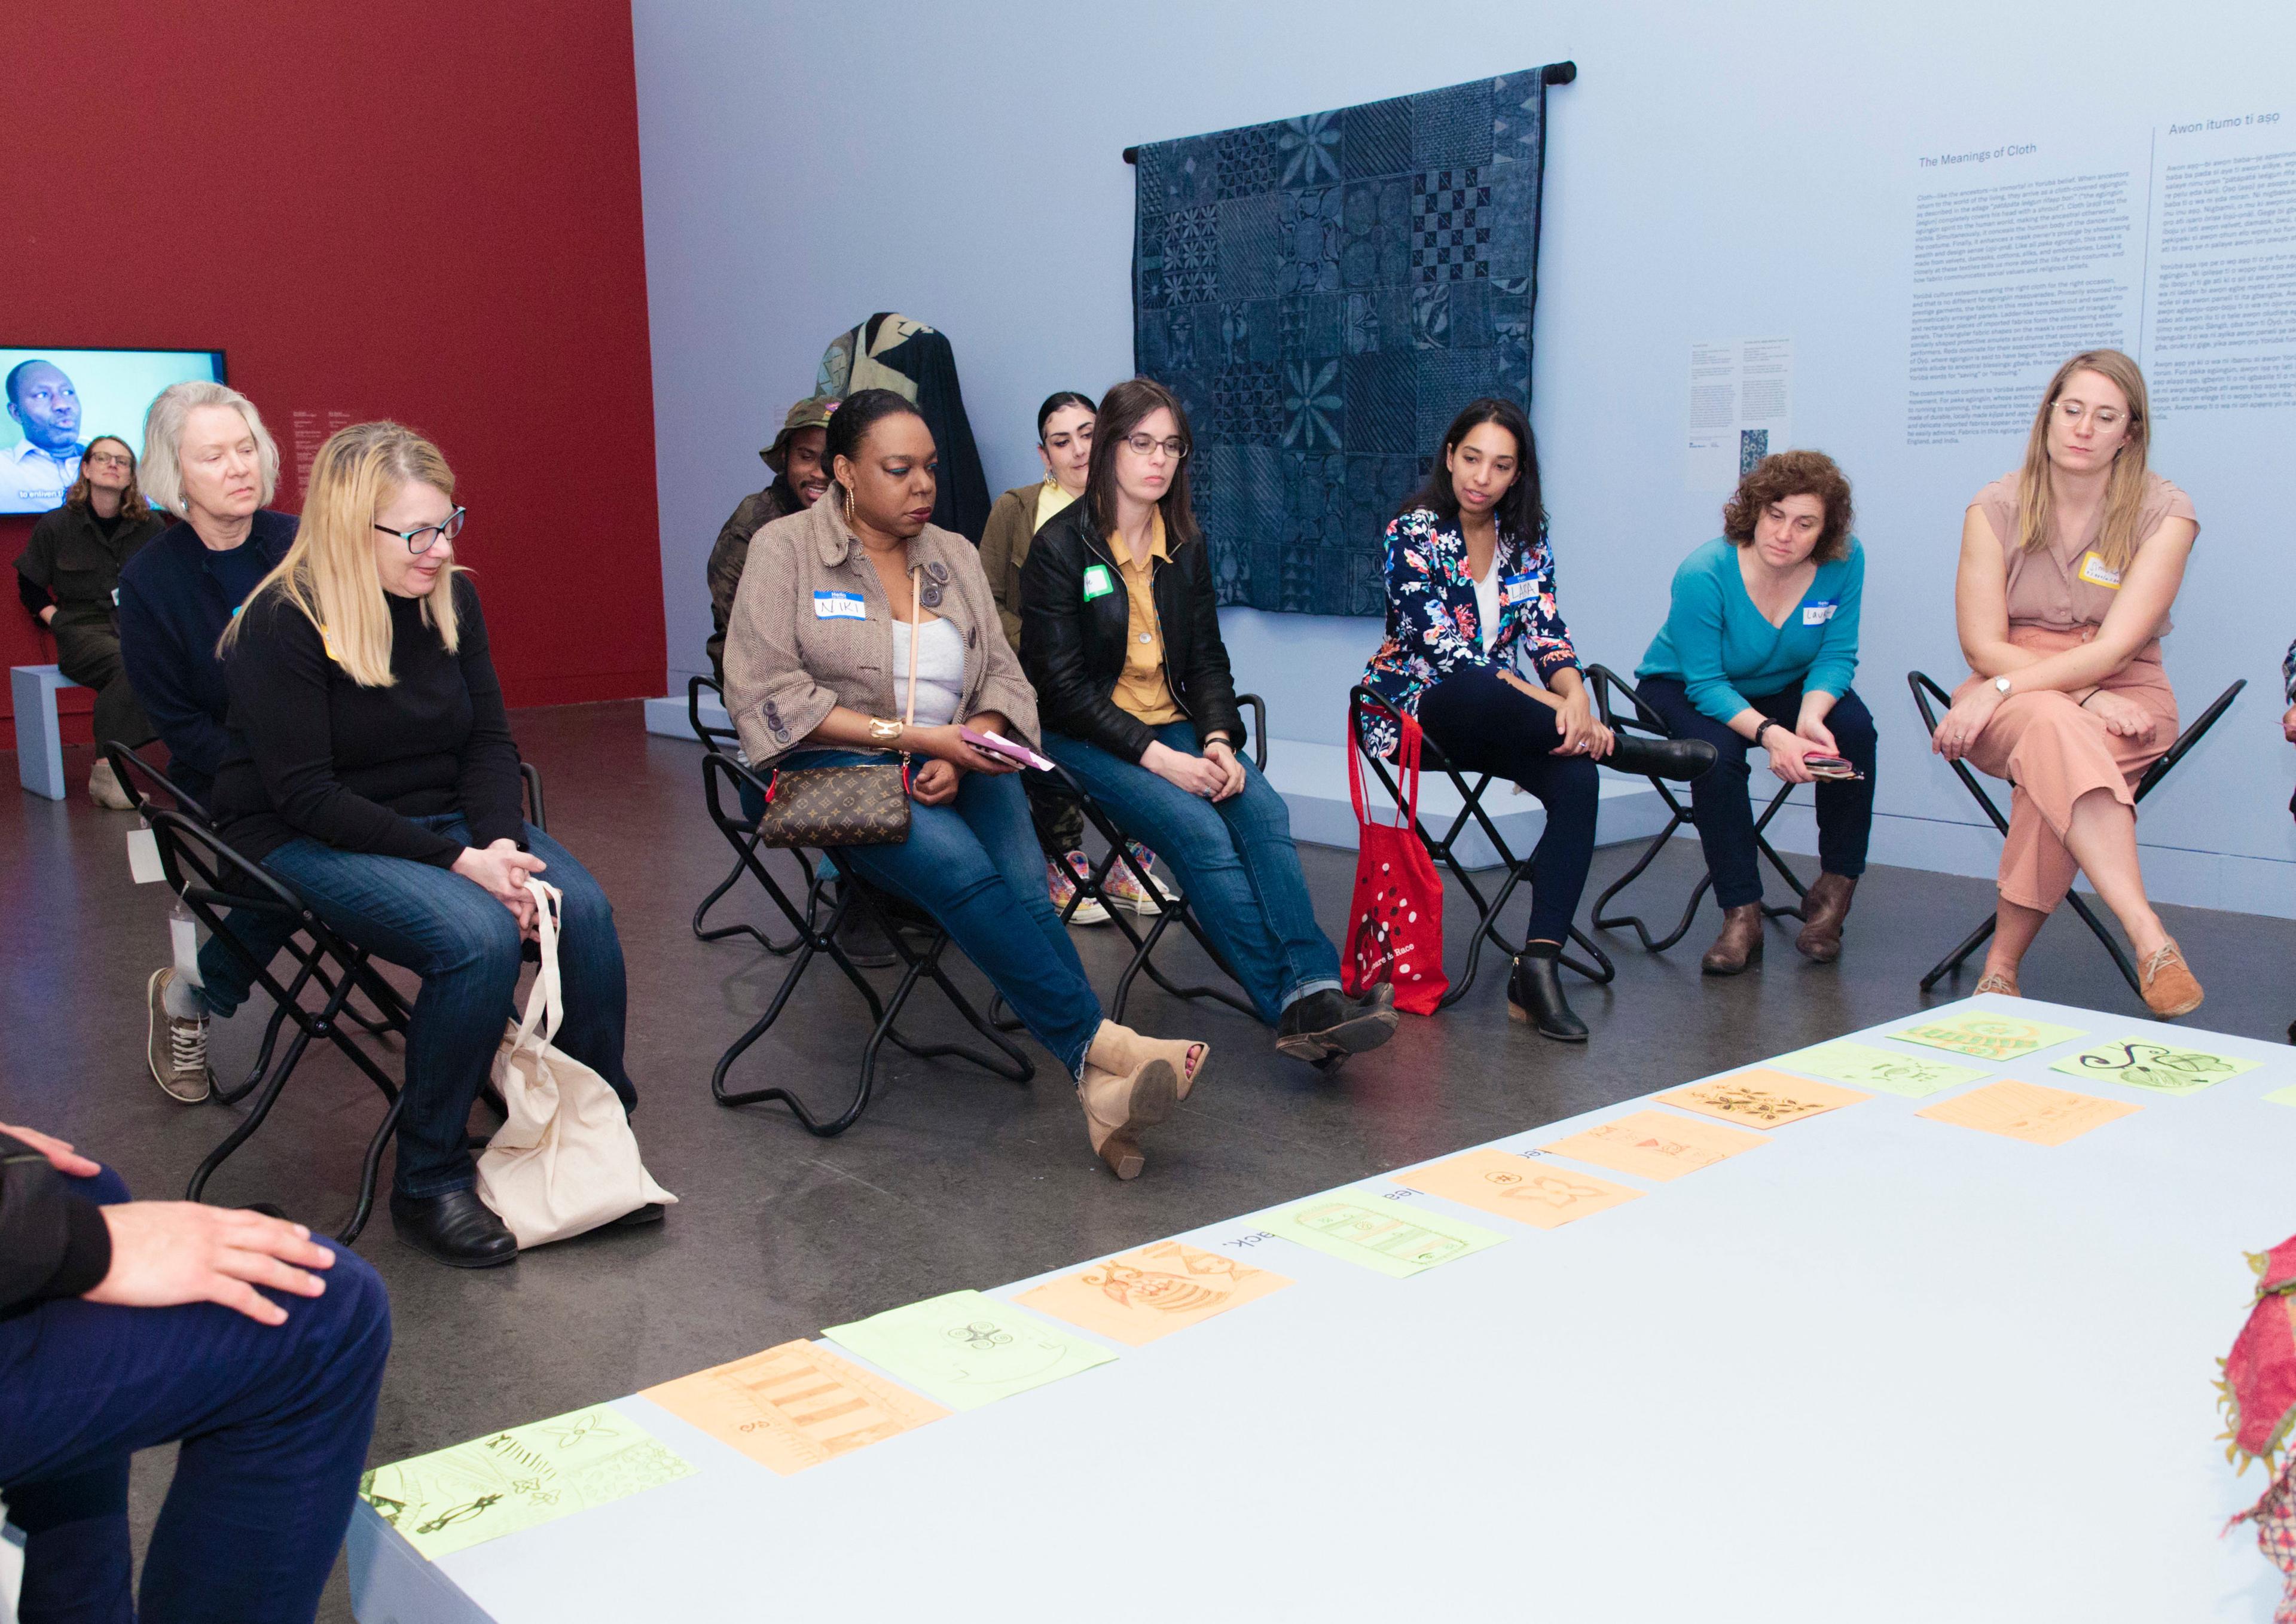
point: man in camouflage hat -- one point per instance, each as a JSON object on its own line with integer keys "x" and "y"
{"x": 800, "y": 474}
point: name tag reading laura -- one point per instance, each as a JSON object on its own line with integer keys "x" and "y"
{"x": 1819, "y": 612}
{"x": 2096, "y": 574}
{"x": 839, "y": 606}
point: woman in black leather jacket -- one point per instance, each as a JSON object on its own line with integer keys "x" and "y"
{"x": 1120, "y": 633}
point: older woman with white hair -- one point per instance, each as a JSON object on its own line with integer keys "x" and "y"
{"x": 212, "y": 466}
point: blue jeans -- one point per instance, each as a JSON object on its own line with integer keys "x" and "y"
{"x": 1234, "y": 860}
{"x": 225, "y": 977}
{"x": 464, "y": 945}
{"x": 1721, "y": 803}
{"x": 974, "y": 865}
{"x": 273, "y": 1421}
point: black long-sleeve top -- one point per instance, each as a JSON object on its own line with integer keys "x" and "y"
{"x": 52, "y": 1242}
{"x": 313, "y": 754}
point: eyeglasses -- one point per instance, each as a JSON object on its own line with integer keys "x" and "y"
{"x": 420, "y": 541}
{"x": 2105, "y": 417}
{"x": 111, "y": 459}
{"x": 1148, "y": 445}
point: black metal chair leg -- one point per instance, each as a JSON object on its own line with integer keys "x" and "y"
{"x": 720, "y": 932}
{"x": 264, "y": 1101}
{"x": 1954, "y": 960}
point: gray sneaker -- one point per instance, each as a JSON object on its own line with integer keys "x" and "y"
{"x": 177, "y": 1048}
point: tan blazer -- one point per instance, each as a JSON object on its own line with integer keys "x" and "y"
{"x": 795, "y": 649}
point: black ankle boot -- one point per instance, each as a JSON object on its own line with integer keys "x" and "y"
{"x": 457, "y": 1228}
{"x": 1535, "y": 995}
{"x": 1682, "y": 759}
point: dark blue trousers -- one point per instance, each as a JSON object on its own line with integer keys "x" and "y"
{"x": 1720, "y": 801}
{"x": 274, "y": 1422}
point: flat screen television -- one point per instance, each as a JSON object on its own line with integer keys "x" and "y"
{"x": 56, "y": 400}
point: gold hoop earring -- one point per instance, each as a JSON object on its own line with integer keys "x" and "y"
{"x": 847, "y": 489}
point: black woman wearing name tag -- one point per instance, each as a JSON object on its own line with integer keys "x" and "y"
{"x": 862, "y": 629}
{"x": 1757, "y": 649}
{"x": 1470, "y": 594}
{"x": 2068, "y": 567}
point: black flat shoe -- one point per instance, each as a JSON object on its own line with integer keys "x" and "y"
{"x": 1682, "y": 759}
{"x": 651, "y": 1213}
{"x": 1535, "y": 995}
{"x": 1328, "y": 1026}
{"x": 862, "y": 938}
{"x": 456, "y": 1230}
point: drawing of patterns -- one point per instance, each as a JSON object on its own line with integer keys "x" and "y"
{"x": 1358, "y": 236}
{"x": 1191, "y": 255}
{"x": 1450, "y": 224}
{"x": 1755, "y": 1104}
{"x": 1384, "y": 1232}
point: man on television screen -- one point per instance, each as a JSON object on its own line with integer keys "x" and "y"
{"x": 41, "y": 467}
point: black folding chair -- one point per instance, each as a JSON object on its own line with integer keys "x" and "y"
{"x": 1174, "y": 903}
{"x": 1645, "y": 720}
{"x": 1473, "y": 813}
{"x": 1925, "y": 690}
{"x": 715, "y": 741}
{"x": 919, "y": 942}
{"x": 215, "y": 881}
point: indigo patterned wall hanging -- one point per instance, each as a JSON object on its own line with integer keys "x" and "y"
{"x": 1323, "y": 294}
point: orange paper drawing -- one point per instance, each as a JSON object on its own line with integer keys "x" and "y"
{"x": 1655, "y": 1145}
{"x": 1527, "y": 1189}
{"x": 2028, "y": 1111}
{"x": 1145, "y": 1294}
{"x": 793, "y": 1407}
{"x": 1761, "y": 1098}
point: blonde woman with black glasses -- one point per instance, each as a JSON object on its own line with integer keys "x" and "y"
{"x": 2068, "y": 567}
{"x": 371, "y": 769}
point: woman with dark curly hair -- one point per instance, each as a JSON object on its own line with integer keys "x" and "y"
{"x": 1759, "y": 648}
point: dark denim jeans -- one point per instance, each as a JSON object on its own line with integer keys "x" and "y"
{"x": 1721, "y": 803}
{"x": 225, "y": 976}
{"x": 1234, "y": 860}
{"x": 464, "y": 945}
{"x": 974, "y": 865}
{"x": 274, "y": 1420}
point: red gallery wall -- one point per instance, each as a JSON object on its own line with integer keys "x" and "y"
{"x": 424, "y": 211}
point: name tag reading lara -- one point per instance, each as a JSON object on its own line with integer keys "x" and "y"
{"x": 2093, "y": 571}
{"x": 1096, "y": 582}
{"x": 1819, "y": 611}
{"x": 1519, "y": 588}
{"x": 839, "y": 606}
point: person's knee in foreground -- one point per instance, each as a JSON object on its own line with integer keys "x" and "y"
{"x": 371, "y": 770}
{"x": 1120, "y": 632}
{"x": 1065, "y": 421}
{"x": 209, "y": 464}
{"x": 126, "y": 1324}
{"x": 1759, "y": 645}
{"x": 825, "y": 594}
{"x": 68, "y": 575}
{"x": 2068, "y": 567}
{"x": 1470, "y": 592}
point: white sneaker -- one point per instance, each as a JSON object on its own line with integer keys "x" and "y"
{"x": 177, "y": 1048}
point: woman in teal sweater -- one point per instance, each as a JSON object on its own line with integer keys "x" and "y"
{"x": 1759, "y": 648}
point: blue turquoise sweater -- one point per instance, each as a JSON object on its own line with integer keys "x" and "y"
{"x": 1717, "y": 644}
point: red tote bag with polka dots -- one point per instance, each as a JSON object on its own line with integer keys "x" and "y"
{"x": 1395, "y": 922}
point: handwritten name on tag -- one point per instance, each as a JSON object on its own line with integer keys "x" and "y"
{"x": 839, "y": 606}
{"x": 2093, "y": 571}
{"x": 1819, "y": 612}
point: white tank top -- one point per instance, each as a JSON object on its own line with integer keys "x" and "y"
{"x": 1486, "y": 604}
{"x": 940, "y": 671}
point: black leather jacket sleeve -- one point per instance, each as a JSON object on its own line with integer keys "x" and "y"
{"x": 52, "y": 1242}
{"x": 1208, "y": 684}
{"x": 1057, "y": 649}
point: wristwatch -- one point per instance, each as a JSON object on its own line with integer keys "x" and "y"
{"x": 2001, "y": 686}
{"x": 882, "y": 732}
{"x": 1765, "y": 725}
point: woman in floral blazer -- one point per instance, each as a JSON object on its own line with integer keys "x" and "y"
{"x": 1471, "y": 590}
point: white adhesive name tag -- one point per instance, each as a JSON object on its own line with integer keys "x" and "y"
{"x": 2096, "y": 574}
{"x": 143, "y": 856}
{"x": 839, "y": 606}
{"x": 185, "y": 932}
{"x": 1820, "y": 613}
{"x": 1518, "y": 588}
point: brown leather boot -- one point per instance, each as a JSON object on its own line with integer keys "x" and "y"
{"x": 1823, "y": 910}
{"x": 1740, "y": 943}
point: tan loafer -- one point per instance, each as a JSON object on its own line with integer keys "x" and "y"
{"x": 2169, "y": 986}
{"x": 2004, "y": 985}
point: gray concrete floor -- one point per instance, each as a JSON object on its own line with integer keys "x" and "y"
{"x": 953, "y": 1178}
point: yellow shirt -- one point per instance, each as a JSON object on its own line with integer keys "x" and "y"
{"x": 1051, "y": 500}
{"x": 1140, "y": 690}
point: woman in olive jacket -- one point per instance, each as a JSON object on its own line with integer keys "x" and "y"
{"x": 1120, "y": 633}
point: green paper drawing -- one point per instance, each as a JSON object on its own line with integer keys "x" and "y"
{"x": 2282, "y": 1096}
{"x": 454, "y": 1498}
{"x": 2160, "y": 1067}
{"x": 1393, "y": 1237}
{"x": 1985, "y": 1036}
{"x": 965, "y": 1349}
{"x": 1915, "y": 1076}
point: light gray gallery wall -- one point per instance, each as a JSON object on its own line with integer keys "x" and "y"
{"x": 1717, "y": 171}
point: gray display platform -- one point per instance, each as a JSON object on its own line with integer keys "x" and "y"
{"x": 1882, "y": 1368}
